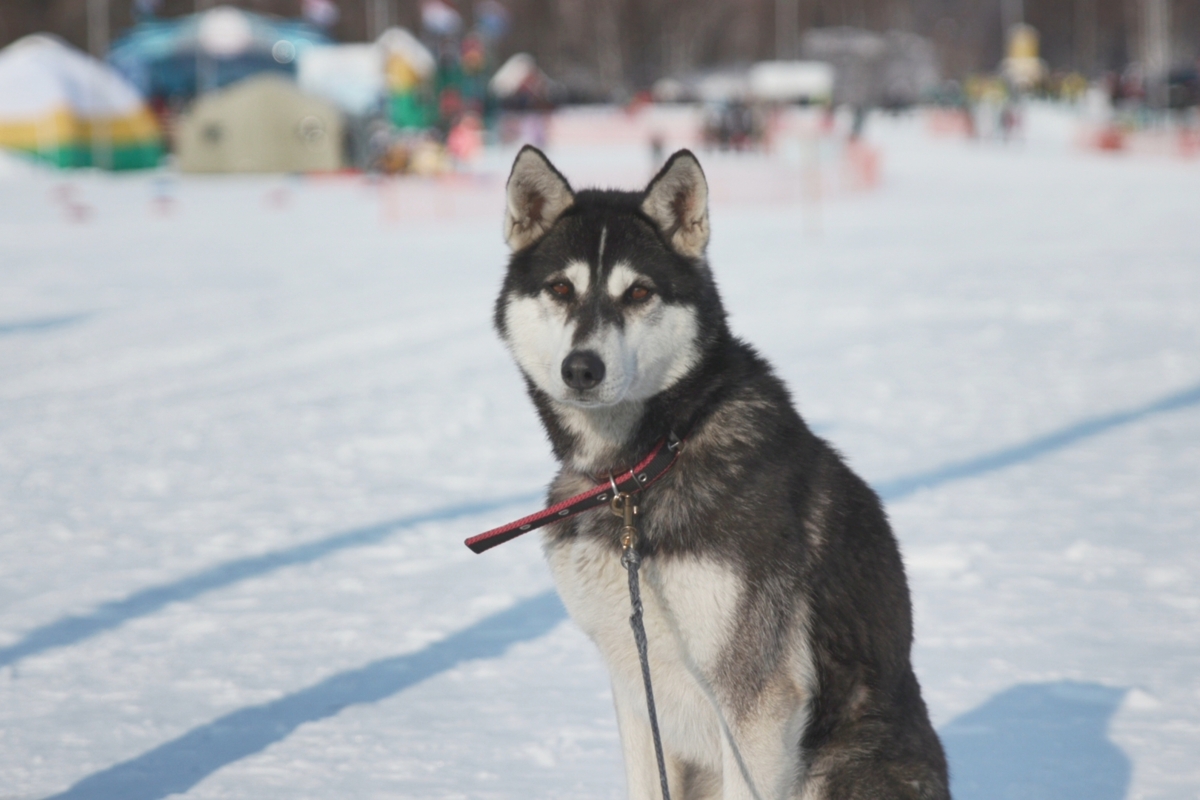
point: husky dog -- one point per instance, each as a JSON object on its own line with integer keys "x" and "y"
{"x": 776, "y": 605}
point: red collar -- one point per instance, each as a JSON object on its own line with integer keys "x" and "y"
{"x": 660, "y": 459}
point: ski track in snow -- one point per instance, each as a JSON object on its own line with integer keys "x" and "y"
{"x": 241, "y": 443}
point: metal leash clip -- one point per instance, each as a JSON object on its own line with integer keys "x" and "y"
{"x": 623, "y": 507}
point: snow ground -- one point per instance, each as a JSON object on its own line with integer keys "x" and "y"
{"x": 241, "y": 443}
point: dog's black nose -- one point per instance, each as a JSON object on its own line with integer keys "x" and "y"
{"x": 582, "y": 369}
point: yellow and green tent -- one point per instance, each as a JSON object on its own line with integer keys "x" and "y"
{"x": 66, "y": 108}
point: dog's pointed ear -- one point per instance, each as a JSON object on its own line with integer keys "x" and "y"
{"x": 537, "y": 195}
{"x": 677, "y": 200}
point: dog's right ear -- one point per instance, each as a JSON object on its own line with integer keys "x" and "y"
{"x": 537, "y": 195}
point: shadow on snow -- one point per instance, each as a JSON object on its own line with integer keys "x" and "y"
{"x": 1043, "y": 741}
{"x": 43, "y": 324}
{"x": 1056, "y": 440}
{"x": 1038, "y": 741}
{"x": 180, "y": 764}
{"x": 72, "y": 629}
{"x": 1030, "y": 741}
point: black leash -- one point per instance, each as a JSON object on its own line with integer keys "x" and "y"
{"x": 622, "y": 506}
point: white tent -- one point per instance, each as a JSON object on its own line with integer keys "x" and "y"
{"x": 356, "y": 77}
{"x": 351, "y": 76}
{"x": 792, "y": 81}
{"x": 67, "y": 108}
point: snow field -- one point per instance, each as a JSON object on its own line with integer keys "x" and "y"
{"x": 241, "y": 442}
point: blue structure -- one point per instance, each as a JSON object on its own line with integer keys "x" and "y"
{"x": 173, "y": 60}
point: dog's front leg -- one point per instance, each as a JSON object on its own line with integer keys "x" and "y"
{"x": 637, "y": 745}
{"x": 760, "y": 754}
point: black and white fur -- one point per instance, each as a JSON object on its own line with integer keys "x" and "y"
{"x": 776, "y": 605}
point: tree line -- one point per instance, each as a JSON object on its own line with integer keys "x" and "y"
{"x": 611, "y": 47}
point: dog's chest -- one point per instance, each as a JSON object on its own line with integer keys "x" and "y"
{"x": 693, "y": 599}
{"x": 690, "y": 602}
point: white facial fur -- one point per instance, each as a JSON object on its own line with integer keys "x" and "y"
{"x": 620, "y": 279}
{"x": 655, "y": 349}
{"x": 580, "y": 276}
{"x": 539, "y": 336}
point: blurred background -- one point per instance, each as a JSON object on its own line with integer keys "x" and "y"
{"x": 385, "y": 85}
{"x": 251, "y": 402}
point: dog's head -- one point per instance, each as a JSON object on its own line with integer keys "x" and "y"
{"x": 602, "y": 298}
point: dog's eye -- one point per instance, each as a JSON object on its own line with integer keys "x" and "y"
{"x": 637, "y": 294}
{"x": 561, "y": 289}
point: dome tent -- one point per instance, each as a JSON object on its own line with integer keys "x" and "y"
{"x": 261, "y": 124}
{"x": 182, "y": 57}
{"x": 65, "y": 107}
